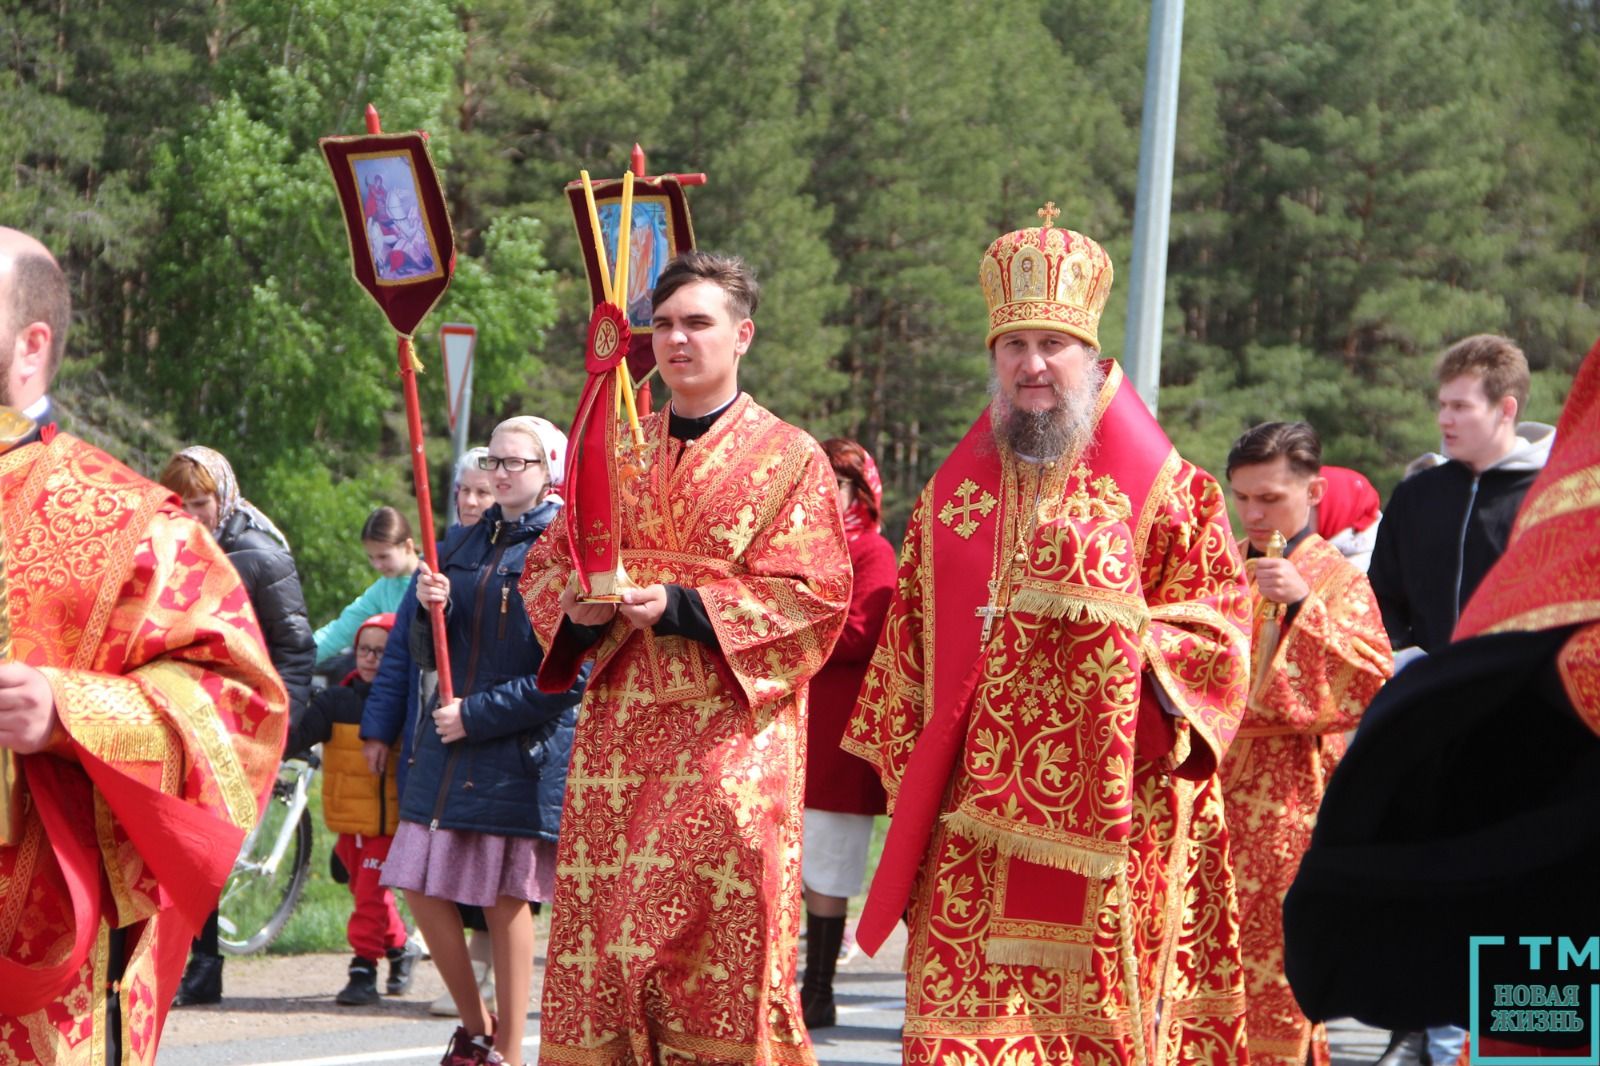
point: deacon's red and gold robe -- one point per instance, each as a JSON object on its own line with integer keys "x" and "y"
{"x": 172, "y": 723}
{"x": 678, "y": 881}
{"x": 1330, "y": 660}
{"x": 1070, "y": 856}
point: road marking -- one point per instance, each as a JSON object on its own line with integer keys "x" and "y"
{"x": 395, "y": 1055}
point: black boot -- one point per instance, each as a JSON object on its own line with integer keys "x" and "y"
{"x": 362, "y": 989}
{"x": 202, "y": 981}
{"x": 824, "y": 937}
{"x": 1406, "y": 1049}
{"x": 402, "y": 967}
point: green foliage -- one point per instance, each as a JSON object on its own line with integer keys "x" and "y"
{"x": 1358, "y": 183}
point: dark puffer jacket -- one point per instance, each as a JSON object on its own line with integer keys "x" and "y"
{"x": 269, "y": 575}
{"x": 508, "y": 774}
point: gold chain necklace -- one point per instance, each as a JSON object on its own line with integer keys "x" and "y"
{"x": 1016, "y": 526}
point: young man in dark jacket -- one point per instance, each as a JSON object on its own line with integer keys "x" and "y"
{"x": 1446, "y": 526}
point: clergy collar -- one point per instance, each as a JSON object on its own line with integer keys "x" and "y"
{"x": 38, "y": 409}
{"x": 1288, "y": 549}
{"x": 681, "y": 427}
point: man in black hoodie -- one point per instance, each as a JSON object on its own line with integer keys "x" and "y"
{"x": 1445, "y": 527}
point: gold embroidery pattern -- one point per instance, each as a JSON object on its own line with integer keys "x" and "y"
{"x": 1330, "y": 663}
{"x": 1579, "y": 666}
{"x": 1578, "y": 491}
{"x": 692, "y": 756}
{"x": 952, "y": 511}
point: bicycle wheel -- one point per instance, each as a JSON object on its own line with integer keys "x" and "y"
{"x": 255, "y": 907}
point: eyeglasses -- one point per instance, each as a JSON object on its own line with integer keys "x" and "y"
{"x": 368, "y": 652}
{"x": 512, "y": 463}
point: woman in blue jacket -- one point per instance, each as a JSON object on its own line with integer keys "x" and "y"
{"x": 482, "y": 800}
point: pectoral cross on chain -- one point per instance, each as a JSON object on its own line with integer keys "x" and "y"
{"x": 989, "y": 612}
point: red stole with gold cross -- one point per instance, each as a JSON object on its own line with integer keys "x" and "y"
{"x": 1034, "y": 680}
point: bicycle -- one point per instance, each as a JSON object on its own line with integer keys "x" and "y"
{"x": 273, "y": 865}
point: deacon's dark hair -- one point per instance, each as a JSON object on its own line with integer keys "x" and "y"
{"x": 1497, "y": 361}
{"x": 386, "y": 526}
{"x": 39, "y": 293}
{"x": 1295, "y": 441}
{"x": 733, "y": 275}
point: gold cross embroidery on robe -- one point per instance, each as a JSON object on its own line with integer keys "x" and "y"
{"x": 958, "y": 516}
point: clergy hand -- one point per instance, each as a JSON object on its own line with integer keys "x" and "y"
{"x": 447, "y": 722}
{"x": 585, "y": 614}
{"x": 27, "y": 709}
{"x": 644, "y": 607}
{"x": 1279, "y": 581}
{"x": 432, "y": 588}
{"x": 376, "y": 752}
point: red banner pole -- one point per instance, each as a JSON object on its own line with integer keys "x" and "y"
{"x": 419, "y": 479}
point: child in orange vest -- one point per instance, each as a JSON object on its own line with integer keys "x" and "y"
{"x": 363, "y": 808}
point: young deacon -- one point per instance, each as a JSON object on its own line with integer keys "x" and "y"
{"x": 677, "y": 900}
{"x": 1319, "y": 655}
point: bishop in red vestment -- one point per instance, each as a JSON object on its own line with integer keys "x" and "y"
{"x": 1060, "y": 674}
{"x": 143, "y": 712}
{"x": 677, "y": 899}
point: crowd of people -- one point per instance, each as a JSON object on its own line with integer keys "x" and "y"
{"x": 1102, "y": 725}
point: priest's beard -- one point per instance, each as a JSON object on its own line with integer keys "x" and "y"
{"x": 1049, "y": 434}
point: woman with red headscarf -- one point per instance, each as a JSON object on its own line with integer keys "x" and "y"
{"x": 842, "y": 792}
{"x": 1348, "y": 514}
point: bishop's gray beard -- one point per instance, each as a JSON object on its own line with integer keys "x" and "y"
{"x": 1050, "y": 434}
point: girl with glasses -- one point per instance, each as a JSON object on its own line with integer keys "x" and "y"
{"x": 482, "y": 800}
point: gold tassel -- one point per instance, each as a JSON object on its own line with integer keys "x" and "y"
{"x": 1047, "y": 603}
{"x": 1011, "y": 951}
{"x": 1053, "y": 853}
{"x": 411, "y": 354}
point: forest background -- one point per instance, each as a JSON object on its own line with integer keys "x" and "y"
{"x": 1358, "y": 182}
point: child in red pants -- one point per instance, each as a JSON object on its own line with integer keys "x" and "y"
{"x": 363, "y": 808}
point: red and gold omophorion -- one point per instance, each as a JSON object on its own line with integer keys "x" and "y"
{"x": 1331, "y": 659}
{"x": 172, "y": 724}
{"x": 1057, "y": 824}
{"x": 1549, "y": 575}
{"x": 678, "y": 882}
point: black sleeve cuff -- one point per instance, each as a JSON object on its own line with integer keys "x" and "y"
{"x": 581, "y": 635}
{"x": 686, "y": 616}
{"x": 1289, "y": 613}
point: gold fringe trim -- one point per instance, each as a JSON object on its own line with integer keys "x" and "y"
{"x": 1053, "y": 853}
{"x": 127, "y": 742}
{"x": 1049, "y": 603}
{"x": 1011, "y": 951}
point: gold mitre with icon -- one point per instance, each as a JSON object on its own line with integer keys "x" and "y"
{"x": 1046, "y": 278}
